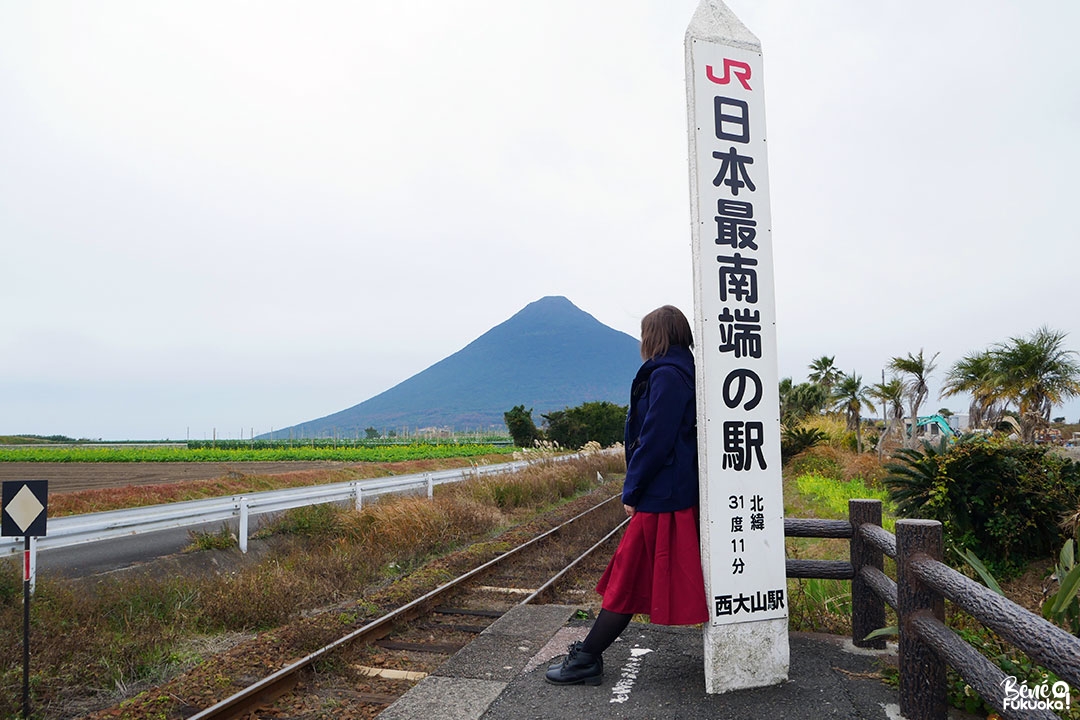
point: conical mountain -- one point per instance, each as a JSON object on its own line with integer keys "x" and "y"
{"x": 549, "y": 356}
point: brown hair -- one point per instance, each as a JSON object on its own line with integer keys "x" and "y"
{"x": 663, "y": 327}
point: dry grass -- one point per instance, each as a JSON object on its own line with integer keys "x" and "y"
{"x": 95, "y": 641}
{"x": 866, "y": 467}
{"x": 539, "y": 484}
{"x": 838, "y": 464}
{"x": 833, "y": 427}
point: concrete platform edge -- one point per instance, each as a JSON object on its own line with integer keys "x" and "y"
{"x": 464, "y": 686}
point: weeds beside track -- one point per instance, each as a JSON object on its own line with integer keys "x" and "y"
{"x": 99, "y": 643}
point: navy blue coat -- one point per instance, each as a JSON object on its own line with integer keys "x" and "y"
{"x": 661, "y": 435}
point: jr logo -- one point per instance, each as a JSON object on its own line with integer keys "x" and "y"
{"x": 739, "y": 69}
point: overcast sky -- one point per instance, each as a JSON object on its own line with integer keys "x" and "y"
{"x": 244, "y": 215}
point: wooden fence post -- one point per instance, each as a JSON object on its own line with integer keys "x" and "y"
{"x": 867, "y": 609}
{"x": 922, "y": 672}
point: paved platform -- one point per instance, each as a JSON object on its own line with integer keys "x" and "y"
{"x": 652, "y": 671}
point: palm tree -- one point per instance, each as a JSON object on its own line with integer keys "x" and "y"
{"x": 785, "y": 391}
{"x": 802, "y": 401}
{"x": 891, "y": 396}
{"x": 1036, "y": 374}
{"x": 850, "y": 396}
{"x": 917, "y": 369}
{"x": 976, "y": 374}
{"x": 913, "y": 477}
{"x": 825, "y": 373}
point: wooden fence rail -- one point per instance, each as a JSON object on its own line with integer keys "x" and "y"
{"x": 927, "y": 646}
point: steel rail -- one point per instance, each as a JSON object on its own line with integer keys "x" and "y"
{"x": 559, "y": 575}
{"x": 280, "y": 682}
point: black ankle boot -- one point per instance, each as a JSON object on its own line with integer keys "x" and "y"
{"x": 579, "y": 668}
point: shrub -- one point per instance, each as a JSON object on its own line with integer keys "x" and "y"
{"x": 999, "y": 498}
{"x": 309, "y": 521}
{"x": 864, "y": 466}
{"x": 11, "y": 584}
{"x": 602, "y": 422}
{"x": 819, "y": 460}
{"x": 223, "y": 539}
{"x": 1063, "y": 606}
{"x": 794, "y": 440}
{"x": 521, "y": 425}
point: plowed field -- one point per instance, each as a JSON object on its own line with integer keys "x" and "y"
{"x": 70, "y": 477}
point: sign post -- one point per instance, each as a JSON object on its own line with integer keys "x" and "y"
{"x": 742, "y": 507}
{"x": 24, "y": 513}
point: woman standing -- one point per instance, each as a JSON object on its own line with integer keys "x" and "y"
{"x": 656, "y": 569}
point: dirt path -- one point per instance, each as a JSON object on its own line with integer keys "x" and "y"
{"x": 70, "y": 477}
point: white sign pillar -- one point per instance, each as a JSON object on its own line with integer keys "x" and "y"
{"x": 738, "y": 404}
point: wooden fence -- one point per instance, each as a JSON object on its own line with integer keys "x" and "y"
{"x": 927, "y": 646}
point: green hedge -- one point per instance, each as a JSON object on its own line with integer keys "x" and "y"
{"x": 1002, "y": 499}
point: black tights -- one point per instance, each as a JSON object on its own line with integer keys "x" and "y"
{"x": 608, "y": 626}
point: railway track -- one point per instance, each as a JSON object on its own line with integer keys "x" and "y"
{"x": 360, "y": 673}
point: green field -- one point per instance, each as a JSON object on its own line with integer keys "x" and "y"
{"x": 248, "y": 452}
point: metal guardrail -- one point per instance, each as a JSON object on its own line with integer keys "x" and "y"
{"x": 95, "y": 527}
{"x": 927, "y": 646}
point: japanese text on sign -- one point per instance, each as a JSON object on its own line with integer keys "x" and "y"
{"x": 737, "y": 321}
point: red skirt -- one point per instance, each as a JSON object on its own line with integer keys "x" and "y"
{"x": 656, "y": 570}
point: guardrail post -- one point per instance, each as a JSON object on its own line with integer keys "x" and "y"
{"x": 359, "y": 496}
{"x": 242, "y": 533}
{"x": 922, "y": 672}
{"x": 867, "y": 609}
{"x": 76, "y": 530}
{"x": 431, "y": 485}
{"x": 33, "y": 562}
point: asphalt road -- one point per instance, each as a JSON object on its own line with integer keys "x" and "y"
{"x": 101, "y": 558}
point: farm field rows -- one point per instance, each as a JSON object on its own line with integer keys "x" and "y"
{"x": 74, "y": 476}
{"x": 277, "y": 453}
{"x": 75, "y": 469}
